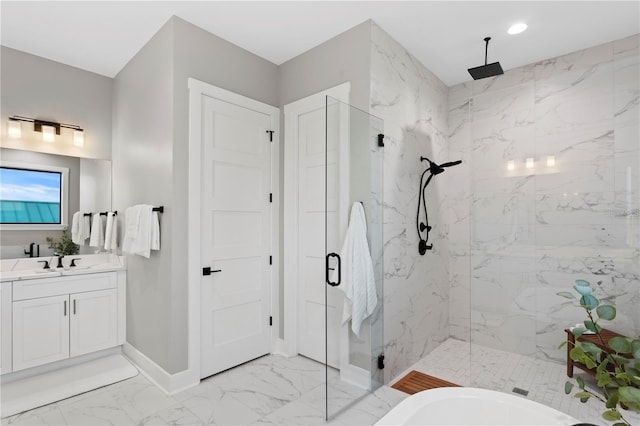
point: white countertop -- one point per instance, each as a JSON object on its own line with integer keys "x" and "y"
{"x": 30, "y": 268}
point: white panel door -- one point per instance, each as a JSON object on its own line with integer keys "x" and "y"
{"x": 236, "y": 234}
{"x": 40, "y": 331}
{"x": 94, "y": 321}
{"x": 314, "y": 163}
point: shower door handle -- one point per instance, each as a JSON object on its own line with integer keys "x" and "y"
{"x": 339, "y": 266}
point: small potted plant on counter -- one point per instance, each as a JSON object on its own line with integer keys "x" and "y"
{"x": 616, "y": 363}
{"x": 64, "y": 245}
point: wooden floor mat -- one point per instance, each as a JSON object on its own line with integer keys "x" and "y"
{"x": 415, "y": 382}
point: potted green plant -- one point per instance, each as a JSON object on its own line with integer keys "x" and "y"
{"x": 64, "y": 245}
{"x": 617, "y": 366}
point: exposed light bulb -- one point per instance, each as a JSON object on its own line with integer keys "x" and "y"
{"x": 517, "y": 28}
{"x": 551, "y": 160}
{"x": 15, "y": 129}
{"x": 78, "y": 138}
{"x": 48, "y": 133}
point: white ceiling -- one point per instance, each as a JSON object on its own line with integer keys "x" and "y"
{"x": 446, "y": 36}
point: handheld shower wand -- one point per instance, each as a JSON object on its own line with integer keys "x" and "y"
{"x": 433, "y": 169}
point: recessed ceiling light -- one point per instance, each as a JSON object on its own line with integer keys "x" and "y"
{"x": 517, "y": 28}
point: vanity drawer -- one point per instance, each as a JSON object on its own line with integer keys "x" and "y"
{"x": 45, "y": 287}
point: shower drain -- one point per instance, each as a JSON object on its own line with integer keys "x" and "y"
{"x": 520, "y": 391}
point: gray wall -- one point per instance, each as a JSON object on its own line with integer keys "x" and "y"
{"x": 340, "y": 59}
{"x": 143, "y": 174}
{"x": 39, "y": 88}
{"x": 151, "y": 137}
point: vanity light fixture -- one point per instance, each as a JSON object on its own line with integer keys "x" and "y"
{"x": 14, "y": 129}
{"x": 49, "y": 129}
{"x": 48, "y": 133}
{"x": 78, "y": 137}
{"x": 511, "y": 165}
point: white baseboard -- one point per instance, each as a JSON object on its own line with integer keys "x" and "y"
{"x": 169, "y": 383}
{"x": 281, "y": 349}
{"x": 356, "y": 376}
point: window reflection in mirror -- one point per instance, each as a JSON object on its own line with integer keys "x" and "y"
{"x": 89, "y": 190}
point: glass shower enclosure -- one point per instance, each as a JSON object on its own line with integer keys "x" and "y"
{"x": 353, "y": 180}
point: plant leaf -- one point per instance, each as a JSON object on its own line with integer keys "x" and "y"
{"x": 606, "y": 312}
{"x": 590, "y": 347}
{"x": 584, "y": 291}
{"x": 583, "y": 395}
{"x": 561, "y": 345}
{"x": 612, "y": 402}
{"x": 583, "y": 283}
{"x": 629, "y": 396}
{"x": 635, "y": 348}
{"x": 567, "y": 295}
{"x": 578, "y": 331}
{"x": 611, "y": 415}
{"x": 580, "y": 381}
{"x": 620, "y": 345}
{"x": 589, "y": 302}
{"x": 591, "y": 326}
{"x": 568, "y": 386}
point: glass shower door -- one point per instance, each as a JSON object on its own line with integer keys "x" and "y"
{"x": 353, "y": 189}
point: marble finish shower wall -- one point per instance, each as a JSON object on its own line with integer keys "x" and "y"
{"x": 413, "y": 104}
{"x": 552, "y": 194}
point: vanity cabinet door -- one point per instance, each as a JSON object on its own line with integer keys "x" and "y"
{"x": 93, "y": 321}
{"x": 40, "y": 331}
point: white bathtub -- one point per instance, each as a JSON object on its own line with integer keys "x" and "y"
{"x": 471, "y": 406}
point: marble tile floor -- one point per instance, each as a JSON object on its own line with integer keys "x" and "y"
{"x": 274, "y": 390}
{"x": 271, "y": 390}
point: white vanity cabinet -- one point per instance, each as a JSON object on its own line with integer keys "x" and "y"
{"x": 40, "y": 331}
{"x": 63, "y": 317}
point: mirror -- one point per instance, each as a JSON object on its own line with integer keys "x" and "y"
{"x": 89, "y": 190}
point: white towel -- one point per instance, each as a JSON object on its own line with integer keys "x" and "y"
{"x": 76, "y": 222}
{"x": 142, "y": 230}
{"x": 97, "y": 232}
{"x": 86, "y": 228}
{"x": 358, "y": 280}
{"x": 111, "y": 232}
{"x": 80, "y": 228}
{"x": 155, "y": 231}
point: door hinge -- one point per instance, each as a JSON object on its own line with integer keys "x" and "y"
{"x": 270, "y": 135}
{"x": 271, "y": 321}
{"x": 381, "y": 361}
{"x": 270, "y": 260}
{"x": 271, "y": 197}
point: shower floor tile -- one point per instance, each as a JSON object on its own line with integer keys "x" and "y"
{"x": 503, "y": 371}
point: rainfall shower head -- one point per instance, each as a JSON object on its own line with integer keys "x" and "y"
{"x": 486, "y": 70}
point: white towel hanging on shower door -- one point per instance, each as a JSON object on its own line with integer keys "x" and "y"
{"x": 358, "y": 279}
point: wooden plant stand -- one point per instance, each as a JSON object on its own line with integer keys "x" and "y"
{"x": 593, "y": 338}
